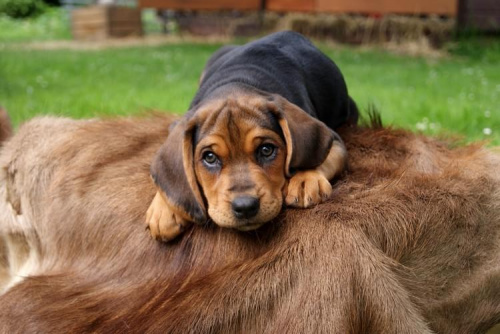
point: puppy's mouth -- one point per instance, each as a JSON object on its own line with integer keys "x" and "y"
{"x": 248, "y": 227}
{"x": 245, "y": 214}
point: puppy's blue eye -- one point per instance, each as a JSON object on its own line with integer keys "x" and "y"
{"x": 210, "y": 158}
{"x": 266, "y": 150}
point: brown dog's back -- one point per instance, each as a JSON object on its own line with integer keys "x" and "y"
{"x": 409, "y": 243}
{"x": 5, "y": 125}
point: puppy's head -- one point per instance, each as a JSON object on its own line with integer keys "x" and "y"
{"x": 231, "y": 159}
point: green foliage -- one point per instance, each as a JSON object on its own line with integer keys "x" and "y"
{"x": 52, "y": 25}
{"x": 476, "y": 46}
{"x": 52, "y": 2}
{"x": 20, "y": 9}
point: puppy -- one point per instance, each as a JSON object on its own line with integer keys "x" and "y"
{"x": 258, "y": 132}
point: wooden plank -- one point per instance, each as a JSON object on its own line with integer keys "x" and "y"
{"x": 291, "y": 5}
{"x": 483, "y": 5}
{"x": 83, "y": 24}
{"x": 480, "y": 14}
{"x": 86, "y": 13}
{"x": 483, "y": 21}
{"x": 445, "y": 7}
{"x": 82, "y": 36}
{"x": 119, "y": 21}
{"x": 201, "y": 4}
{"x": 124, "y": 30}
{"x": 89, "y": 32}
{"x": 124, "y": 14}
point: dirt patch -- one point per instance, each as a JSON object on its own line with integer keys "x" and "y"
{"x": 420, "y": 48}
{"x": 115, "y": 43}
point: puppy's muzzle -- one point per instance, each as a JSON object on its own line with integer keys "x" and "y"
{"x": 245, "y": 207}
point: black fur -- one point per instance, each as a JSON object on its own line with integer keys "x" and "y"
{"x": 284, "y": 63}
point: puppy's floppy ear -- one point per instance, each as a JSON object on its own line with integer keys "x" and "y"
{"x": 308, "y": 140}
{"x": 173, "y": 171}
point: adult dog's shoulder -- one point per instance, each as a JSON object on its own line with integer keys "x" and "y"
{"x": 409, "y": 245}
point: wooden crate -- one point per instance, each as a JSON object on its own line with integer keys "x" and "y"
{"x": 101, "y": 22}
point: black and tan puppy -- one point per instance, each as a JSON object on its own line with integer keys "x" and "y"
{"x": 259, "y": 130}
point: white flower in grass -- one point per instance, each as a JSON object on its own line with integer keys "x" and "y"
{"x": 434, "y": 126}
{"x": 423, "y": 125}
{"x": 487, "y": 131}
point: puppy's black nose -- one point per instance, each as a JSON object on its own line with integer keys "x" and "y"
{"x": 245, "y": 206}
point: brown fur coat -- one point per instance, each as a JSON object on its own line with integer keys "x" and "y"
{"x": 409, "y": 243}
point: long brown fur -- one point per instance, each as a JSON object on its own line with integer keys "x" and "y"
{"x": 5, "y": 125}
{"x": 409, "y": 243}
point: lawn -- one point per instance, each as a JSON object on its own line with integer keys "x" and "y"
{"x": 458, "y": 94}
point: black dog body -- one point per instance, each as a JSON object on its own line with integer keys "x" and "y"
{"x": 287, "y": 64}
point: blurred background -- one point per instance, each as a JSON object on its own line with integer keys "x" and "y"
{"x": 431, "y": 65}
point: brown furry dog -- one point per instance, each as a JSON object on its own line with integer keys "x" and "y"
{"x": 5, "y": 125}
{"x": 409, "y": 244}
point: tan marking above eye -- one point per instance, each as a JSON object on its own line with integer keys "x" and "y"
{"x": 213, "y": 143}
{"x": 259, "y": 136}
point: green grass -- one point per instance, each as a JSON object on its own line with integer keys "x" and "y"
{"x": 458, "y": 94}
{"x": 109, "y": 82}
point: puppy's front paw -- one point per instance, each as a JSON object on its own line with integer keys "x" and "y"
{"x": 307, "y": 188}
{"x": 163, "y": 223}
